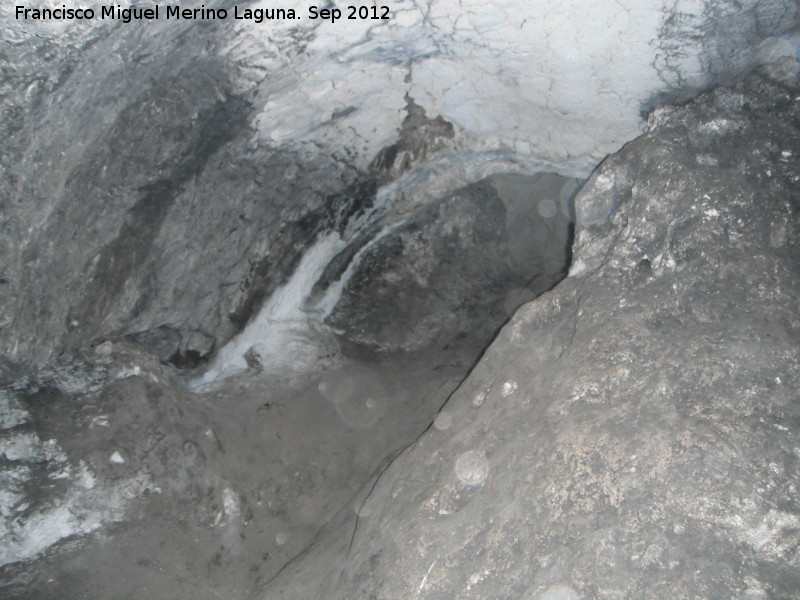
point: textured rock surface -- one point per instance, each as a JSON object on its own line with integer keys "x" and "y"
{"x": 632, "y": 433}
{"x": 454, "y": 270}
{"x": 571, "y": 81}
{"x": 259, "y": 197}
{"x": 138, "y": 196}
{"x": 121, "y": 483}
{"x": 165, "y": 177}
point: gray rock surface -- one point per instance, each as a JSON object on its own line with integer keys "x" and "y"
{"x": 166, "y": 179}
{"x": 453, "y": 270}
{"x": 118, "y": 482}
{"x": 632, "y": 433}
{"x": 629, "y": 434}
{"x": 136, "y": 193}
{"x": 166, "y": 223}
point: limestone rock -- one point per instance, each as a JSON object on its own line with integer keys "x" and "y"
{"x": 632, "y": 432}
{"x": 454, "y": 270}
{"x": 326, "y": 225}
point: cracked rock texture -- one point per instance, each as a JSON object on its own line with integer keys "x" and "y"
{"x": 140, "y": 200}
{"x": 165, "y": 179}
{"x": 323, "y": 227}
{"x": 452, "y": 271}
{"x": 633, "y": 432}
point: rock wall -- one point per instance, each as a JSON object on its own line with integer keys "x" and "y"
{"x": 165, "y": 177}
{"x": 628, "y": 434}
{"x": 632, "y": 432}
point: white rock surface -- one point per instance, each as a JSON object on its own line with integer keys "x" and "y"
{"x": 571, "y": 79}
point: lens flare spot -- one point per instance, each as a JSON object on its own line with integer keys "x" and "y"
{"x": 597, "y": 201}
{"x": 359, "y": 398}
{"x": 780, "y": 56}
{"x": 472, "y": 468}
{"x": 547, "y": 208}
{"x": 443, "y": 421}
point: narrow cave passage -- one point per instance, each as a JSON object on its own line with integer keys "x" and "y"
{"x": 352, "y": 358}
{"x": 253, "y": 449}
{"x": 488, "y": 299}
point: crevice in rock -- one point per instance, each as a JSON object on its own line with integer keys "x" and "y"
{"x": 276, "y": 359}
